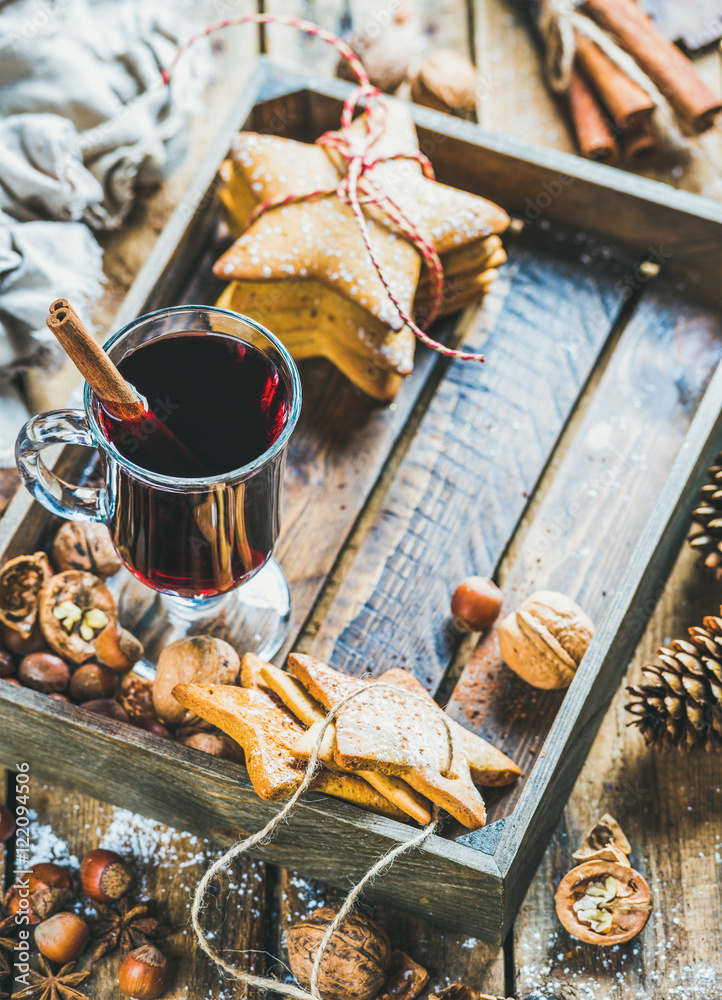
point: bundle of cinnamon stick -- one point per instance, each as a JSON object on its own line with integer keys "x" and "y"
{"x": 612, "y": 113}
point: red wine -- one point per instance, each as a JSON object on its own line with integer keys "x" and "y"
{"x": 224, "y": 403}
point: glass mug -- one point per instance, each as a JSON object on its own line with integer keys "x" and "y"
{"x": 203, "y": 545}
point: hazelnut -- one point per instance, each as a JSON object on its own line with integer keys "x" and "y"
{"x": 108, "y": 707}
{"x": 83, "y": 545}
{"x": 446, "y": 81}
{"x": 48, "y": 875}
{"x": 92, "y": 680}
{"x": 151, "y": 724}
{"x": 545, "y": 639}
{"x": 143, "y": 973}
{"x": 75, "y": 607}
{"x": 62, "y": 937}
{"x": 201, "y": 659}
{"x": 21, "y": 581}
{"x": 17, "y": 903}
{"x": 603, "y": 902}
{"x": 356, "y": 960}
{"x": 7, "y": 665}
{"x": 104, "y": 876}
{"x": 118, "y": 648}
{"x": 136, "y": 695}
{"x": 51, "y": 888}
{"x": 44, "y": 672}
{"x": 7, "y": 824}
{"x": 475, "y": 604}
{"x": 215, "y": 744}
{"x": 19, "y": 644}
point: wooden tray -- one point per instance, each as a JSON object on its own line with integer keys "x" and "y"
{"x": 569, "y": 462}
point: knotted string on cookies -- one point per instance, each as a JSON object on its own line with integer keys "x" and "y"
{"x": 356, "y": 187}
{"x": 264, "y": 836}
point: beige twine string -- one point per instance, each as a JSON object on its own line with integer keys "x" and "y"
{"x": 263, "y": 837}
{"x": 558, "y": 22}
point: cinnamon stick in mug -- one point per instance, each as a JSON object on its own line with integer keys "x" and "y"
{"x": 594, "y": 135}
{"x": 625, "y": 101}
{"x": 672, "y": 72}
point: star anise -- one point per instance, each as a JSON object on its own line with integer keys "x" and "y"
{"x": 49, "y": 985}
{"x": 8, "y": 926}
{"x": 125, "y": 927}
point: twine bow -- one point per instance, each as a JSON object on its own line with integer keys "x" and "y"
{"x": 357, "y": 187}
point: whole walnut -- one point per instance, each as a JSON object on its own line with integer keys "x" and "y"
{"x": 86, "y": 546}
{"x": 201, "y": 659}
{"x": 545, "y": 639}
{"x": 355, "y": 963}
{"x": 446, "y": 81}
{"x": 385, "y": 54}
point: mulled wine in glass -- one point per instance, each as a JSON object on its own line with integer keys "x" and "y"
{"x": 197, "y": 522}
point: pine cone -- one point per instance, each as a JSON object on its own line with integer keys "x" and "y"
{"x": 683, "y": 707}
{"x": 708, "y": 540}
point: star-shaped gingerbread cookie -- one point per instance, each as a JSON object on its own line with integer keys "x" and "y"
{"x": 268, "y": 734}
{"x": 302, "y": 268}
{"x": 407, "y": 738}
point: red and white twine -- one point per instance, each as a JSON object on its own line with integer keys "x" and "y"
{"x": 357, "y": 187}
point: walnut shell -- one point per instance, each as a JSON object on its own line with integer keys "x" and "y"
{"x": 356, "y": 961}
{"x": 545, "y": 639}
{"x": 446, "y": 81}
{"x": 136, "y": 695}
{"x": 86, "y": 546}
{"x": 21, "y": 580}
{"x": 87, "y": 593}
{"x": 201, "y": 659}
{"x": 630, "y": 908}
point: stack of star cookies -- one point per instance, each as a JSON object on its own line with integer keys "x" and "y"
{"x": 389, "y": 750}
{"x": 303, "y": 271}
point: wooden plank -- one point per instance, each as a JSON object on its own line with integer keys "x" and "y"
{"x": 166, "y": 864}
{"x": 474, "y": 461}
{"x": 591, "y": 691}
{"x": 325, "y": 838}
{"x": 667, "y": 806}
{"x": 513, "y": 97}
{"x": 614, "y": 460}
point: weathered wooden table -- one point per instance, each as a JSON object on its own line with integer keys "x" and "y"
{"x": 671, "y": 808}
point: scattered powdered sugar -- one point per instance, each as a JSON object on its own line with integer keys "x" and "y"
{"x": 147, "y": 840}
{"x": 45, "y": 845}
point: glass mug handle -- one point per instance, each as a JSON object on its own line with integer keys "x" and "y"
{"x": 76, "y": 503}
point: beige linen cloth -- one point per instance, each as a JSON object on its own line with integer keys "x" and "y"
{"x": 83, "y": 126}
